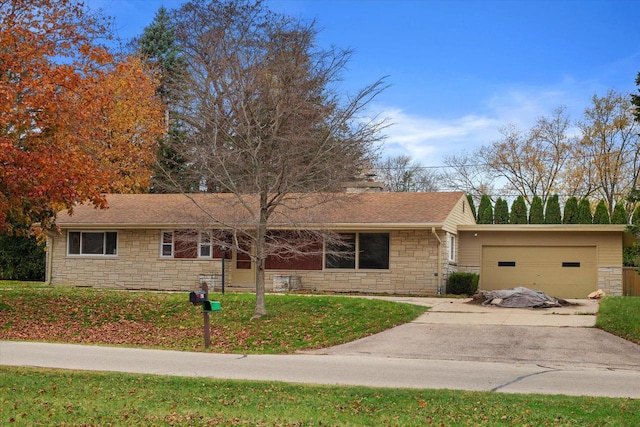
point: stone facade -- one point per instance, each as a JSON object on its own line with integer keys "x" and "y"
{"x": 138, "y": 265}
{"x": 610, "y": 280}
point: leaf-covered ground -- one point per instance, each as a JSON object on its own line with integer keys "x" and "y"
{"x": 169, "y": 321}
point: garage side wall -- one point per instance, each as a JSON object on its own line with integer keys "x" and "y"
{"x": 608, "y": 248}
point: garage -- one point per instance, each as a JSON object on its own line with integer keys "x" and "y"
{"x": 559, "y": 271}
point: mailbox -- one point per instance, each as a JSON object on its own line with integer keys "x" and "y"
{"x": 211, "y": 306}
{"x": 197, "y": 297}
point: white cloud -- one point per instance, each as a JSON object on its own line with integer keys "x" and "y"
{"x": 427, "y": 139}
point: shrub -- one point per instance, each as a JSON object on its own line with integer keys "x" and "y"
{"x": 462, "y": 283}
{"x": 21, "y": 258}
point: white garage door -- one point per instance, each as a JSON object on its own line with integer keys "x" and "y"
{"x": 562, "y": 272}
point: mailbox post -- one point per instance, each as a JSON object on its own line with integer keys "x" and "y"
{"x": 206, "y": 321}
{"x": 224, "y": 261}
{"x": 202, "y": 298}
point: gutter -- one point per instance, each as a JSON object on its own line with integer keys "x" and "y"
{"x": 439, "y": 270}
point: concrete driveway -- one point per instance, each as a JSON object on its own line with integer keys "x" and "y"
{"x": 454, "y": 329}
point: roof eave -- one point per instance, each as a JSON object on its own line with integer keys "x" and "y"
{"x": 544, "y": 227}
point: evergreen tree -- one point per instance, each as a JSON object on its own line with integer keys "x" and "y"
{"x": 635, "y": 218}
{"x": 21, "y": 258}
{"x": 472, "y": 205}
{"x": 601, "y": 215}
{"x": 536, "y": 215}
{"x": 570, "y": 211}
{"x": 157, "y": 46}
{"x": 619, "y": 214}
{"x": 501, "y": 215}
{"x": 584, "y": 212}
{"x": 552, "y": 212}
{"x": 485, "y": 211}
{"x": 518, "y": 211}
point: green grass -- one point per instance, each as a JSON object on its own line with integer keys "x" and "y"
{"x": 620, "y": 316}
{"x": 32, "y": 397}
{"x": 169, "y": 321}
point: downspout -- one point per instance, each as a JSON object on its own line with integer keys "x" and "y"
{"x": 48, "y": 259}
{"x": 439, "y": 270}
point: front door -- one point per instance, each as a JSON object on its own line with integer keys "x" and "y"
{"x": 244, "y": 270}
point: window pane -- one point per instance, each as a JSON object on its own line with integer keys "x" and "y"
{"x": 374, "y": 251}
{"x": 167, "y": 237}
{"x": 166, "y": 250}
{"x": 186, "y": 244}
{"x": 74, "y": 243}
{"x": 111, "y": 247}
{"x": 342, "y": 255}
{"x": 205, "y": 251}
{"x": 93, "y": 243}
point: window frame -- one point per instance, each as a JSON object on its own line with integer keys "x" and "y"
{"x": 81, "y": 243}
{"x": 202, "y": 244}
{"x": 169, "y": 245}
{"x": 452, "y": 247}
{"x": 355, "y": 260}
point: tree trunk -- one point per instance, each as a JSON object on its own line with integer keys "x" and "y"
{"x": 260, "y": 309}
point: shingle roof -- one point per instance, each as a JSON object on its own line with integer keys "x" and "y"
{"x": 159, "y": 210}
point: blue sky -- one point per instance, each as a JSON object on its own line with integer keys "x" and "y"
{"x": 461, "y": 69}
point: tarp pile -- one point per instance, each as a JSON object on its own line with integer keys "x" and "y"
{"x": 519, "y": 297}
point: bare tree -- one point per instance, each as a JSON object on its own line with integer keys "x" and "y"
{"x": 401, "y": 174}
{"x": 610, "y": 145}
{"x": 264, "y": 120}
{"x": 466, "y": 172}
{"x": 531, "y": 162}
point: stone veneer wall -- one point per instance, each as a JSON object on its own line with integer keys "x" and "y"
{"x": 413, "y": 264}
{"x": 138, "y": 265}
{"x": 610, "y": 280}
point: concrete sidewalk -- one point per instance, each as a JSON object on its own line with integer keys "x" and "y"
{"x": 373, "y": 371}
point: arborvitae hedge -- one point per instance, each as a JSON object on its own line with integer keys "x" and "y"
{"x": 552, "y": 212}
{"x": 501, "y": 214}
{"x": 584, "y": 212}
{"x": 518, "y": 211}
{"x": 570, "y": 211}
{"x": 619, "y": 215}
{"x": 536, "y": 213}
{"x": 635, "y": 218}
{"x": 472, "y": 205}
{"x": 601, "y": 215}
{"x": 485, "y": 210}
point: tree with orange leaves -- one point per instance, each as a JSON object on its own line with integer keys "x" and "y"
{"x": 76, "y": 121}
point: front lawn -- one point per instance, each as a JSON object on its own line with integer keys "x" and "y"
{"x": 620, "y": 316}
{"x": 31, "y": 397}
{"x": 168, "y": 321}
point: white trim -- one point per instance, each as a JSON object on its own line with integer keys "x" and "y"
{"x": 170, "y": 245}
{"x": 104, "y": 244}
{"x": 202, "y": 245}
{"x": 451, "y": 246}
